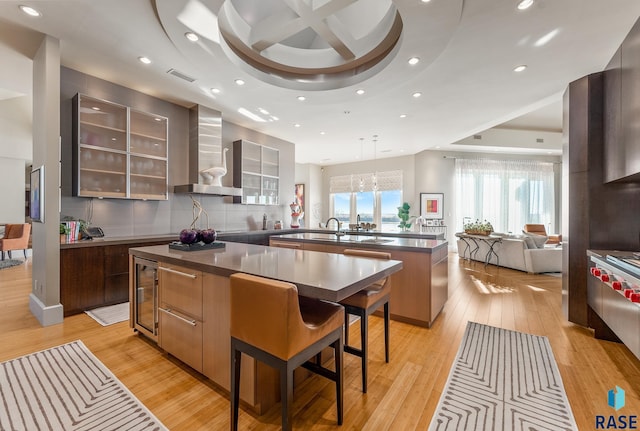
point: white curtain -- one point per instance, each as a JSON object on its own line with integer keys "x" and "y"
{"x": 507, "y": 193}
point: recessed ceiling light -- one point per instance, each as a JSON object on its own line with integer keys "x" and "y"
{"x": 158, "y": 119}
{"x": 301, "y": 98}
{"x": 263, "y": 111}
{"x": 239, "y": 81}
{"x": 417, "y": 94}
{"x": 191, "y": 36}
{"x": 95, "y": 108}
{"x": 296, "y": 125}
{"x": 215, "y": 90}
{"x": 29, "y": 10}
{"x": 403, "y": 115}
{"x": 425, "y": 1}
{"x": 144, "y": 60}
{"x": 414, "y": 60}
{"x": 274, "y": 118}
{"x": 322, "y": 133}
{"x": 360, "y": 91}
{"x": 525, "y": 4}
{"x": 520, "y": 68}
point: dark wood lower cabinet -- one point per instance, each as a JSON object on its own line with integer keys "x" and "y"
{"x": 95, "y": 276}
{"x": 81, "y": 279}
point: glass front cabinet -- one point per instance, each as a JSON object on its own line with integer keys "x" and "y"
{"x": 256, "y": 169}
{"x": 119, "y": 152}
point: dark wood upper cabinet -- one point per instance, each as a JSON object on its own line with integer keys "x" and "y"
{"x": 622, "y": 111}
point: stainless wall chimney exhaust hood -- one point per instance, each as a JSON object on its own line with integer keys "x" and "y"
{"x": 206, "y": 152}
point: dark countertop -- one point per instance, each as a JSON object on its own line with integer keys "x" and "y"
{"x": 312, "y": 272}
{"x": 229, "y": 236}
{"x": 135, "y": 239}
{"x": 364, "y": 241}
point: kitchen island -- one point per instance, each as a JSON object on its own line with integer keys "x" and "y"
{"x": 192, "y": 303}
{"x": 418, "y": 292}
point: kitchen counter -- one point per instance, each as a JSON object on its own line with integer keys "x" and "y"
{"x": 310, "y": 272}
{"x": 378, "y": 242}
{"x": 418, "y": 291}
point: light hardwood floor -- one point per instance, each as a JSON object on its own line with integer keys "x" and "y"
{"x": 402, "y": 394}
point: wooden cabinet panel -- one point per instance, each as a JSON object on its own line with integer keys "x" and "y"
{"x": 418, "y": 291}
{"x": 181, "y": 289}
{"x": 258, "y": 382}
{"x": 180, "y": 313}
{"x": 630, "y": 100}
{"x": 81, "y": 279}
{"x": 116, "y": 273}
{"x": 181, "y": 336}
{"x": 614, "y": 153}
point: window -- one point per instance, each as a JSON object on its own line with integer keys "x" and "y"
{"x": 508, "y": 194}
{"x": 375, "y": 198}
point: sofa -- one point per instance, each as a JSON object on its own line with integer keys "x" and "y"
{"x": 517, "y": 252}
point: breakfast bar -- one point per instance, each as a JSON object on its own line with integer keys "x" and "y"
{"x": 185, "y": 294}
{"x": 418, "y": 291}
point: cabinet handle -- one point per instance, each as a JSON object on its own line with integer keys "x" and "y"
{"x": 173, "y": 271}
{"x": 168, "y": 311}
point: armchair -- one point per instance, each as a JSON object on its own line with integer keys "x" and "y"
{"x": 538, "y": 229}
{"x": 16, "y": 237}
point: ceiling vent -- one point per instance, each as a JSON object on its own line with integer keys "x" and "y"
{"x": 477, "y": 136}
{"x": 180, "y": 75}
{"x": 539, "y": 140}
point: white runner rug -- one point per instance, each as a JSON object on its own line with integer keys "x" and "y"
{"x": 111, "y": 314}
{"x": 67, "y": 388}
{"x": 503, "y": 380}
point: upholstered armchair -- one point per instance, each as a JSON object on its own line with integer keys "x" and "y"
{"x": 16, "y": 237}
{"x": 538, "y": 229}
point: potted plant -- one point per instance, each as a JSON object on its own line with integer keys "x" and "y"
{"x": 64, "y": 231}
{"x": 403, "y": 215}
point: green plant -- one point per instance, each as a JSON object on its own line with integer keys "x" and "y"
{"x": 64, "y": 229}
{"x": 478, "y": 227}
{"x": 403, "y": 215}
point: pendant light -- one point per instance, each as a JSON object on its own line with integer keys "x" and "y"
{"x": 374, "y": 179}
{"x": 361, "y": 185}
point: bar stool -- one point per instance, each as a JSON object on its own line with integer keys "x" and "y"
{"x": 271, "y": 323}
{"x": 364, "y": 303}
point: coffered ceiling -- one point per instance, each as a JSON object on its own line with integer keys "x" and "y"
{"x": 325, "y": 73}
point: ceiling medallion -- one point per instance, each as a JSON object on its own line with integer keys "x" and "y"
{"x": 310, "y": 44}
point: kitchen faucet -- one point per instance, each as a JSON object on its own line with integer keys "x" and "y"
{"x": 338, "y": 233}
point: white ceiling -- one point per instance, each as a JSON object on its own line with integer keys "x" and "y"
{"x": 468, "y": 51}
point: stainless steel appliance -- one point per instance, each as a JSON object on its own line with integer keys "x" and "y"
{"x": 145, "y": 299}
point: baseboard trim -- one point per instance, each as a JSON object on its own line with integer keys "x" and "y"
{"x": 47, "y": 316}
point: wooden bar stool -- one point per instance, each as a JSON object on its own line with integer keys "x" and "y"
{"x": 273, "y": 325}
{"x": 364, "y": 303}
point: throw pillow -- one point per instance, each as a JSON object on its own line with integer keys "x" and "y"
{"x": 528, "y": 243}
{"x": 538, "y": 240}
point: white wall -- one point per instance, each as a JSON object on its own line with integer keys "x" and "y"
{"x": 16, "y": 137}
{"x": 311, "y": 176}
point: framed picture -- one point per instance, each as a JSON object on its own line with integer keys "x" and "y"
{"x": 431, "y": 205}
{"x": 299, "y": 193}
{"x": 37, "y": 195}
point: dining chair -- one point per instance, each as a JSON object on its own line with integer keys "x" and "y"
{"x": 272, "y": 324}
{"x": 364, "y": 303}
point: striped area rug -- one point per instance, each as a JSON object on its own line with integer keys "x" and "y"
{"x": 67, "y": 388}
{"x": 503, "y": 380}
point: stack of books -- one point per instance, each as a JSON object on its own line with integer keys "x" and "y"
{"x": 73, "y": 229}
